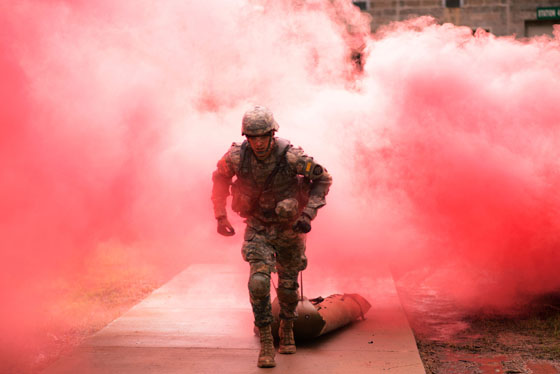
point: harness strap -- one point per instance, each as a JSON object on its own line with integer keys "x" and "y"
{"x": 245, "y": 170}
{"x": 281, "y": 162}
{"x": 245, "y": 161}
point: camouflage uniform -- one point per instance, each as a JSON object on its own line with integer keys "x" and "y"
{"x": 298, "y": 187}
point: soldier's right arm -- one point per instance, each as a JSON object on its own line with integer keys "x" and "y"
{"x": 221, "y": 179}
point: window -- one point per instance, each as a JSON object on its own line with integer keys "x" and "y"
{"x": 452, "y": 3}
{"x": 484, "y": 29}
{"x": 360, "y": 4}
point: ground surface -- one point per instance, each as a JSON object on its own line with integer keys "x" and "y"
{"x": 106, "y": 285}
{"x": 449, "y": 343}
{"x": 528, "y": 341}
{"x": 200, "y": 322}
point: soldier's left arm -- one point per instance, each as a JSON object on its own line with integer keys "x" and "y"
{"x": 319, "y": 177}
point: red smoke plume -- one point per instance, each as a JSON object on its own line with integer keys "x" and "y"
{"x": 444, "y": 152}
{"x": 470, "y": 155}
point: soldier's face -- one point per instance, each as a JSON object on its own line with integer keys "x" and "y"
{"x": 261, "y": 145}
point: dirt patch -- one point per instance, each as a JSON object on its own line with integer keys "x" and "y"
{"x": 111, "y": 281}
{"x": 528, "y": 342}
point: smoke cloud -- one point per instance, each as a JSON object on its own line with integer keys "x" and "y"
{"x": 444, "y": 149}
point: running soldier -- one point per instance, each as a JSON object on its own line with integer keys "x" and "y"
{"x": 278, "y": 190}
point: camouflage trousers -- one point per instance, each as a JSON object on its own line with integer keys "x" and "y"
{"x": 268, "y": 249}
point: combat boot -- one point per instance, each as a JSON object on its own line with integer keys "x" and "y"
{"x": 286, "y": 334}
{"x": 266, "y": 355}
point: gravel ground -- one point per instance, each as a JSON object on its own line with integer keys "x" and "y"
{"x": 528, "y": 342}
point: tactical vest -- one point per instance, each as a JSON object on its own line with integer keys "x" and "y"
{"x": 252, "y": 199}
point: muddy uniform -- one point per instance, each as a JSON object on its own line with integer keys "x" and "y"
{"x": 271, "y": 194}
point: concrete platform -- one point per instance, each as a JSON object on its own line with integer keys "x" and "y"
{"x": 201, "y": 322}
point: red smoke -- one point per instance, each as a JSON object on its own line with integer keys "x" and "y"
{"x": 470, "y": 155}
{"x": 444, "y": 152}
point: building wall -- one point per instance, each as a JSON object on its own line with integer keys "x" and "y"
{"x": 501, "y": 17}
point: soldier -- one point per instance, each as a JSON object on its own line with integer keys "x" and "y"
{"x": 278, "y": 190}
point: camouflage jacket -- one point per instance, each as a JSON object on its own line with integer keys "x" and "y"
{"x": 260, "y": 192}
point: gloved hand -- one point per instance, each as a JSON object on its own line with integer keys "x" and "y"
{"x": 224, "y": 227}
{"x": 303, "y": 224}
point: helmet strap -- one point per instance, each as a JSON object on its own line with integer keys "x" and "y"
{"x": 271, "y": 134}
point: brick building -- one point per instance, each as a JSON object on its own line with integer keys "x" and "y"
{"x": 500, "y": 17}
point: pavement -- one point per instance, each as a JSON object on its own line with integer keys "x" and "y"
{"x": 201, "y": 322}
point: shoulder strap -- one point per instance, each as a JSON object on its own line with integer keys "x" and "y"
{"x": 245, "y": 160}
{"x": 283, "y": 146}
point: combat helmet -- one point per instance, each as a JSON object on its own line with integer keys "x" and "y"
{"x": 258, "y": 121}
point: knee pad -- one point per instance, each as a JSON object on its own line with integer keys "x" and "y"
{"x": 259, "y": 285}
{"x": 287, "y": 291}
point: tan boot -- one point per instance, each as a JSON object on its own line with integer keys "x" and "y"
{"x": 287, "y": 341}
{"x": 266, "y": 355}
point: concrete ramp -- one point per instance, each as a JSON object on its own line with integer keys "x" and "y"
{"x": 201, "y": 322}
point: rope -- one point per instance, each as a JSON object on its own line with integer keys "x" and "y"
{"x": 301, "y": 284}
